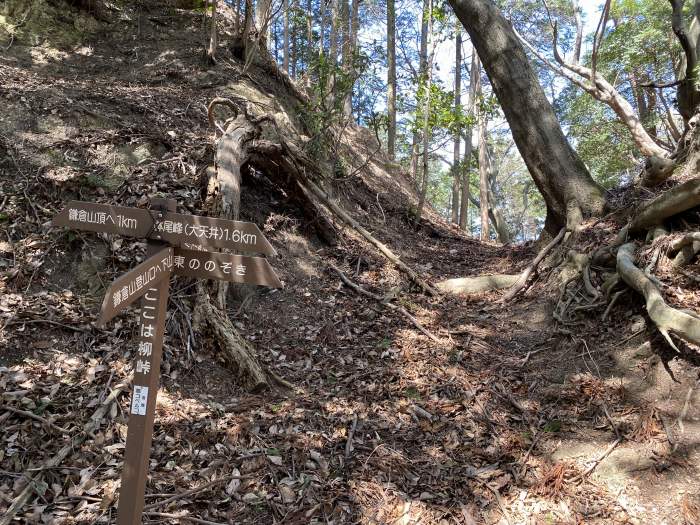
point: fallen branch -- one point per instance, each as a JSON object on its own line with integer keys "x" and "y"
{"x": 522, "y": 280}
{"x": 183, "y": 517}
{"x": 21, "y": 500}
{"x": 188, "y": 493}
{"x": 597, "y": 462}
{"x": 369, "y": 237}
{"x": 33, "y": 416}
{"x": 666, "y": 318}
{"x": 380, "y": 299}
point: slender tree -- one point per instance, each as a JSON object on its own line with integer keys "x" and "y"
{"x": 426, "y": 109}
{"x": 474, "y": 86}
{"x": 423, "y": 59}
{"x": 391, "y": 76}
{"x": 484, "y": 172}
{"x": 285, "y": 45}
{"x": 458, "y": 128}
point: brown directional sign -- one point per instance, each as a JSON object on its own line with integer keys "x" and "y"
{"x": 225, "y": 267}
{"x": 134, "y": 284}
{"x": 90, "y": 216}
{"x": 176, "y": 228}
{"x": 193, "y": 230}
{"x": 191, "y": 236}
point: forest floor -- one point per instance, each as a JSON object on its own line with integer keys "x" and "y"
{"x": 510, "y": 418}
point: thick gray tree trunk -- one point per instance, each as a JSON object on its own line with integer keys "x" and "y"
{"x": 560, "y": 175}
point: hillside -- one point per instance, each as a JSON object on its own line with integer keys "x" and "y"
{"x": 497, "y": 414}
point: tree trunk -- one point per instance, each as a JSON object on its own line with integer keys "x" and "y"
{"x": 560, "y": 175}
{"x": 333, "y": 52}
{"x": 426, "y": 112}
{"x": 285, "y": 45}
{"x": 322, "y": 27}
{"x": 309, "y": 43}
{"x": 474, "y": 83}
{"x": 423, "y": 59}
{"x": 211, "y": 48}
{"x": 349, "y": 59}
{"x": 263, "y": 11}
{"x": 458, "y": 128}
{"x": 484, "y": 169}
{"x": 391, "y": 77}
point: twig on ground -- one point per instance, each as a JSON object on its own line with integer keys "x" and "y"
{"x": 33, "y": 481}
{"x": 597, "y": 462}
{"x": 190, "y": 492}
{"x": 32, "y": 415}
{"x": 380, "y": 299}
{"x": 351, "y": 435}
{"x": 183, "y": 517}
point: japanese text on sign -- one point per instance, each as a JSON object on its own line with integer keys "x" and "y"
{"x": 141, "y": 280}
{"x": 139, "y": 400}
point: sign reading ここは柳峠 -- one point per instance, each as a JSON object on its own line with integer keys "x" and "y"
{"x": 149, "y": 281}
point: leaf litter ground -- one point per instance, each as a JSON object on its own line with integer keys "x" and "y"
{"x": 508, "y": 419}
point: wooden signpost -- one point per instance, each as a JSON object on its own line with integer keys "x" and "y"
{"x": 177, "y": 245}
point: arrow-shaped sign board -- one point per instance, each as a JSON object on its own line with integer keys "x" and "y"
{"x": 90, "y": 216}
{"x": 194, "y": 230}
{"x": 225, "y": 267}
{"x": 176, "y": 228}
{"x": 135, "y": 283}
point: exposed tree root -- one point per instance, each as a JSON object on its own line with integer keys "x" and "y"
{"x": 482, "y": 283}
{"x": 485, "y": 283}
{"x": 667, "y": 319}
{"x": 657, "y": 170}
{"x": 672, "y": 202}
{"x": 522, "y": 280}
{"x": 236, "y": 350}
{"x": 685, "y": 249}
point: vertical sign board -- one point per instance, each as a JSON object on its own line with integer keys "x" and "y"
{"x": 142, "y": 412}
{"x": 150, "y": 282}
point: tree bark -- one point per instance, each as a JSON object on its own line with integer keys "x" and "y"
{"x": 687, "y": 91}
{"x": 606, "y": 93}
{"x": 423, "y": 59}
{"x": 484, "y": 169}
{"x": 391, "y": 77}
{"x": 285, "y": 45}
{"x": 560, "y": 175}
{"x": 458, "y": 128}
{"x": 474, "y": 82}
{"x": 211, "y": 48}
{"x": 426, "y": 112}
{"x": 349, "y": 58}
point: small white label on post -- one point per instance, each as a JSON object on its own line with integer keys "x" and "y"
{"x": 139, "y": 400}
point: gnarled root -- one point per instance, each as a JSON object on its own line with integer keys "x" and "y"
{"x": 672, "y": 202}
{"x": 657, "y": 170}
{"x": 667, "y": 319}
{"x": 685, "y": 248}
{"x": 482, "y": 283}
{"x": 236, "y": 350}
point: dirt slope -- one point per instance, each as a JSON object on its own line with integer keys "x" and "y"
{"x": 499, "y": 422}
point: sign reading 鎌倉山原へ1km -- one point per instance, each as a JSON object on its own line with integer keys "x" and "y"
{"x": 177, "y": 229}
{"x": 169, "y": 236}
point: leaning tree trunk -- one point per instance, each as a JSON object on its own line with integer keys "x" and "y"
{"x": 391, "y": 77}
{"x": 560, "y": 175}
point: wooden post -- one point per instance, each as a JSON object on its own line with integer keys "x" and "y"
{"x": 147, "y": 360}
